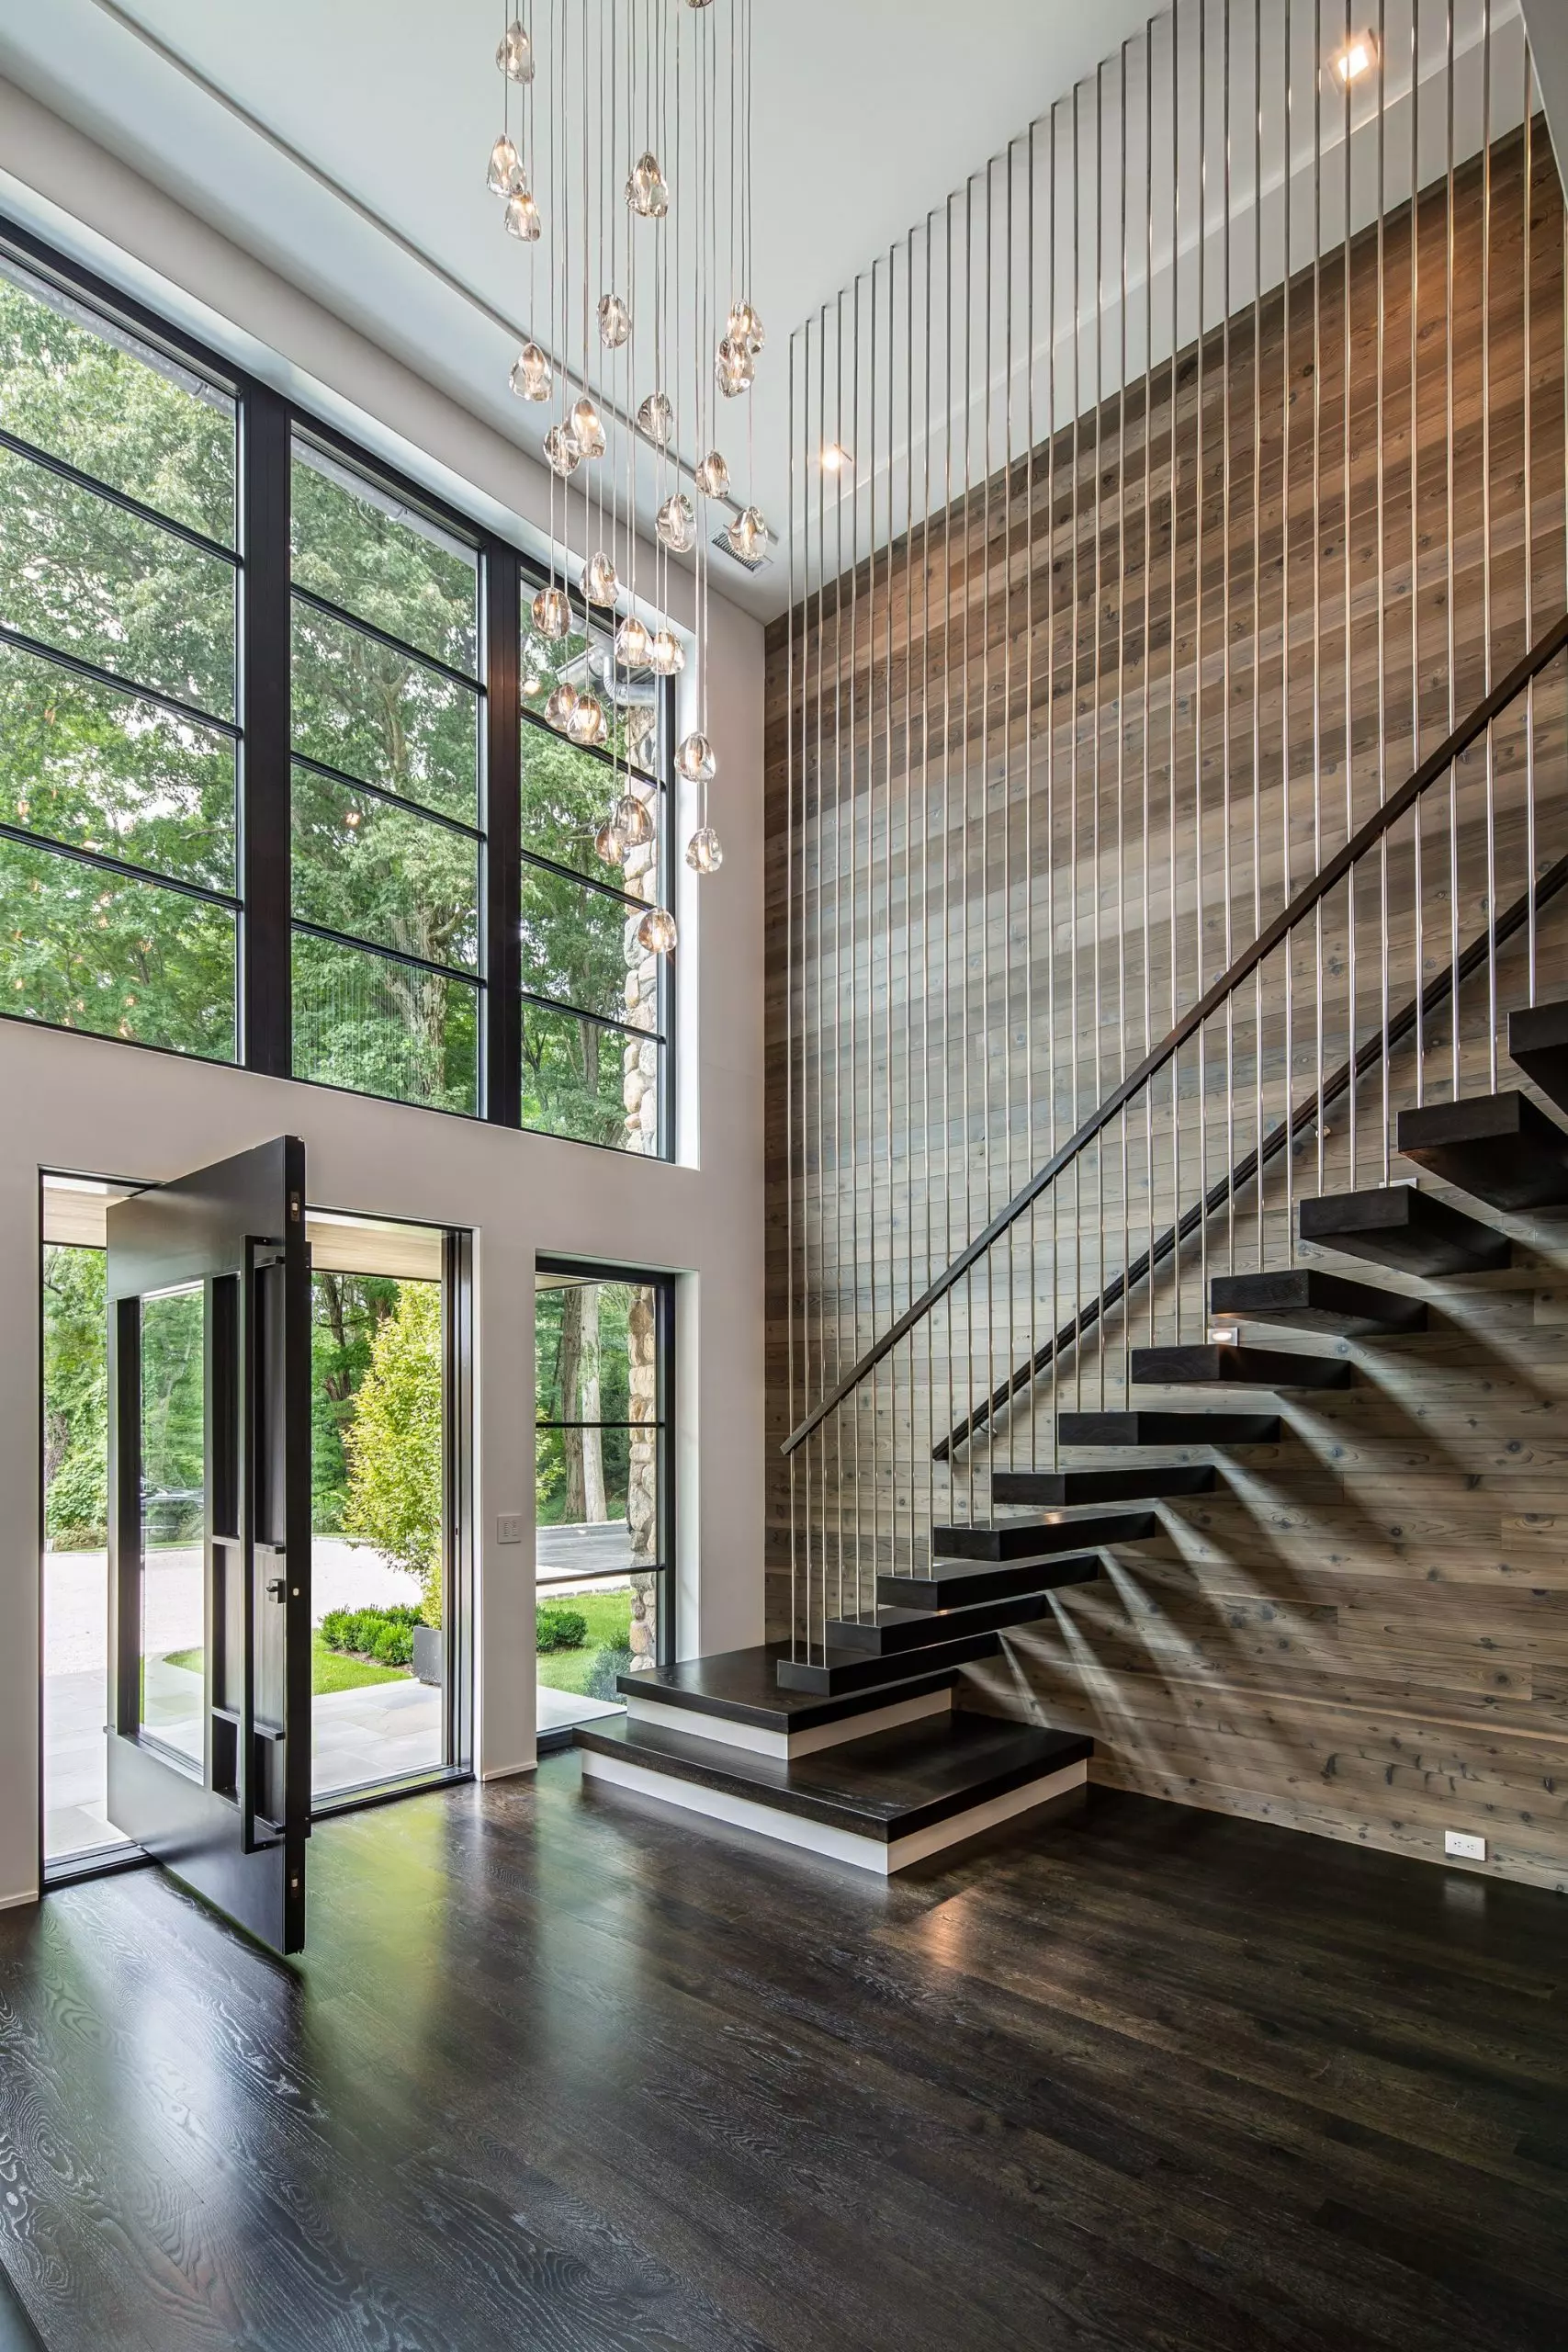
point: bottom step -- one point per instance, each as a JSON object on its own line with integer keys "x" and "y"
{"x": 879, "y": 1803}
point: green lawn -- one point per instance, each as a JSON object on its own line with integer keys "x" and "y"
{"x": 330, "y": 1669}
{"x": 609, "y": 1616}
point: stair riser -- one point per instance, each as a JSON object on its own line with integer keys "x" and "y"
{"x": 905, "y": 1640}
{"x": 752, "y": 1739}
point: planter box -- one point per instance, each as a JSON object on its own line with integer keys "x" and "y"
{"x": 430, "y": 1653}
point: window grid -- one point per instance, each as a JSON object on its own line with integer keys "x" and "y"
{"x": 268, "y": 434}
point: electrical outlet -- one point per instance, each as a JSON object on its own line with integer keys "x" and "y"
{"x": 1463, "y": 1847}
{"x": 509, "y": 1527}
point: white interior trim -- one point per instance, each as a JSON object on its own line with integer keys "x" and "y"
{"x": 758, "y": 1740}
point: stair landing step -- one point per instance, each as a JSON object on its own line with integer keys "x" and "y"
{"x": 1212, "y": 1364}
{"x": 1396, "y": 1224}
{"x": 1537, "y": 1040}
{"x": 1499, "y": 1147}
{"x": 1146, "y": 1427}
{"x": 834, "y": 1674}
{"x": 1309, "y": 1298}
{"x": 953, "y": 1588}
{"x": 743, "y": 1687}
{"x": 894, "y": 1795}
{"x": 1022, "y": 1539}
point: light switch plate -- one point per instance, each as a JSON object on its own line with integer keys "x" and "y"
{"x": 509, "y": 1527}
{"x": 1463, "y": 1847}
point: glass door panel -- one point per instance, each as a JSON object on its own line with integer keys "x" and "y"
{"x": 173, "y": 1520}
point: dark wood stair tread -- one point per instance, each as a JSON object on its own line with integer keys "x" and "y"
{"x": 1537, "y": 1040}
{"x": 887, "y": 1786}
{"x": 892, "y": 1631}
{"x": 833, "y": 1674}
{"x": 1398, "y": 1225}
{"x": 1022, "y": 1539}
{"x": 1212, "y": 1363}
{"x": 1502, "y": 1148}
{"x": 954, "y": 1586}
{"x": 1310, "y": 1298}
{"x": 1045, "y": 1489}
{"x": 743, "y": 1685}
{"x": 1152, "y": 1427}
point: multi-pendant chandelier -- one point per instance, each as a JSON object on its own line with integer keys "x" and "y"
{"x": 624, "y": 166}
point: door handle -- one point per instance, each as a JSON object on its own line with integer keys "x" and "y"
{"x": 276, "y": 1587}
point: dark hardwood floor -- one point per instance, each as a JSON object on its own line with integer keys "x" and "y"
{"x": 559, "y": 2073}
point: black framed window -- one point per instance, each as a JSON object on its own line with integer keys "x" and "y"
{"x": 604, "y": 1357}
{"x": 596, "y": 1004}
{"x": 275, "y": 785}
{"x": 386, "y": 799}
{"x": 120, "y": 588}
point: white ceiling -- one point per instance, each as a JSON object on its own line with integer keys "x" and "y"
{"x": 866, "y": 112}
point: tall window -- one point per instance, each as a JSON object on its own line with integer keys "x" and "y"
{"x": 119, "y": 593}
{"x": 595, "y": 1002}
{"x": 275, "y": 783}
{"x": 388, "y": 838}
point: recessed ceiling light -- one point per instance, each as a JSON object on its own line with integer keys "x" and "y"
{"x": 835, "y": 458}
{"x": 1358, "y": 57}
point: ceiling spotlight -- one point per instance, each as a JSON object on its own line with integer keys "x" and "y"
{"x": 835, "y": 458}
{"x": 1358, "y": 57}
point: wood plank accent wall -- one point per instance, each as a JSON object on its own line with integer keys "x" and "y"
{"x": 1051, "y": 754}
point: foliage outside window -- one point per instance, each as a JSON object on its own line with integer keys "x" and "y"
{"x": 126, "y": 907}
{"x": 118, "y": 639}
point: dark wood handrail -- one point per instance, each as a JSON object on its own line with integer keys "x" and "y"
{"x": 1435, "y": 766}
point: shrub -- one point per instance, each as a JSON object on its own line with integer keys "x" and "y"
{"x": 362, "y": 1632}
{"x": 602, "y": 1674}
{"x": 556, "y": 1628}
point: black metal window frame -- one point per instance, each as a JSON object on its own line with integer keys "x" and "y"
{"x": 261, "y": 729}
{"x": 662, "y": 1286}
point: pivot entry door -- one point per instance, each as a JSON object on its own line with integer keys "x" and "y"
{"x": 210, "y": 1534}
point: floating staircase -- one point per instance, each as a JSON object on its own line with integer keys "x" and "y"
{"x": 1143, "y": 1426}
{"x": 1060, "y": 1489}
{"x": 1216, "y": 1362}
{"x": 1305, "y": 1298}
{"x": 879, "y": 1780}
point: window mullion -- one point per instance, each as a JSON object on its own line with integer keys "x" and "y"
{"x": 502, "y": 881}
{"x": 265, "y": 812}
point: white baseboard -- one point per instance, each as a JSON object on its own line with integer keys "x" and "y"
{"x": 757, "y": 1740}
{"x": 875, "y": 1854}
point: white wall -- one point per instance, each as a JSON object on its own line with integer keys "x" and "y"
{"x": 86, "y": 1104}
{"x": 1546, "y": 21}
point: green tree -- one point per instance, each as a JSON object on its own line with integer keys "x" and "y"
{"x": 75, "y": 1399}
{"x": 393, "y": 1443}
{"x": 347, "y": 1311}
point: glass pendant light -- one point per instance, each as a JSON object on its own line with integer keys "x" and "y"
{"x": 560, "y": 706}
{"x": 504, "y": 161}
{"x": 608, "y": 842}
{"x": 587, "y": 428}
{"x": 656, "y": 931}
{"x": 695, "y": 759}
{"x": 562, "y": 450}
{"x": 745, "y": 327}
{"x": 531, "y": 375}
{"x": 633, "y": 643}
{"x": 551, "y": 610}
{"x": 655, "y": 418}
{"x": 600, "y": 584}
{"x": 713, "y": 475}
{"x": 614, "y": 322}
{"x": 703, "y": 855}
{"x": 734, "y": 367}
{"x": 633, "y": 822}
{"x": 522, "y": 216}
{"x": 586, "y": 724}
{"x": 647, "y": 190}
{"x": 514, "y": 54}
{"x": 676, "y": 524}
{"x": 747, "y": 537}
{"x": 666, "y": 655}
